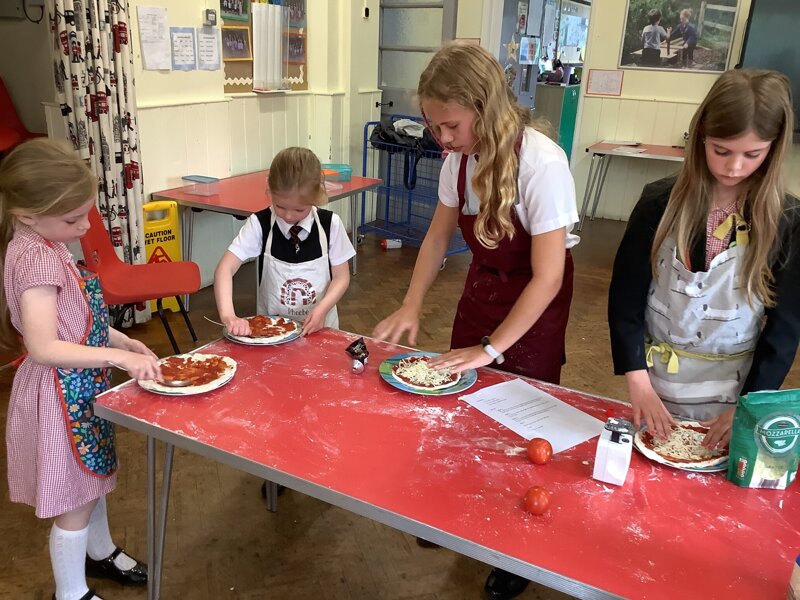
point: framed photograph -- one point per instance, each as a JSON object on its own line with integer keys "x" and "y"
{"x": 690, "y": 35}
{"x": 297, "y": 49}
{"x": 238, "y": 10}
{"x": 236, "y": 44}
{"x": 297, "y": 12}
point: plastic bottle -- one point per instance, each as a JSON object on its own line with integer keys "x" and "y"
{"x": 389, "y": 244}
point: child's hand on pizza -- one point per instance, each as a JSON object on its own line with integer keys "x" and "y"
{"x": 139, "y": 366}
{"x": 462, "y": 359}
{"x": 719, "y": 430}
{"x": 405, "y": 319}
{"x": 647, "y": 406}
{"x": 314, "y": 321}
{"x": 236, "y": 326}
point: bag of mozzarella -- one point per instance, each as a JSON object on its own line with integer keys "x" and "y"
{"x": 765, "y": 444}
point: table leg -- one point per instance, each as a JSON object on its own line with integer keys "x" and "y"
{"x": 151, "y": 516}
{"x": 161, "y": 530}
{"x": 605, "y": 164}
{"x": 188, "y": 224}
{"x": 354, "y": 230}
{"x": 272, "y": 496}
{"x": 587, "y": 194}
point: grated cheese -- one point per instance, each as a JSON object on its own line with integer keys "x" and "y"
{"x": 684, "y": 443}
{"x": 417, "y": 372}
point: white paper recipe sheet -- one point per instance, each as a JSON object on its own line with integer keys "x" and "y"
{"x": 530, "y": 412}
{"x": 154, "y": 37}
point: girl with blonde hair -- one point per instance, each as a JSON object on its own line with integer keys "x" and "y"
{"x": 302, "y": 250}
{"x": 704, "y": 302}
{"x": 509, "y": 188}
{"x": 61, "y": 457}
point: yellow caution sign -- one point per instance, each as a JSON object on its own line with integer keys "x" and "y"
{"x": 162, "y": 239}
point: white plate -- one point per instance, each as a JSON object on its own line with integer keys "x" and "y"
{"x": 153, "y": 386}
{"x": 264, "y": 341}
{"x": 709, "y": 466}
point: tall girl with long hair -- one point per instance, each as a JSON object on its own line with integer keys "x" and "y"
{"x": 509, "y": 189}
{"x": 61, "y": 457}
{"x": 704, "y": 302}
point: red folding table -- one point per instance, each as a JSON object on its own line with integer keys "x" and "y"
{"x": 437, "y": 468}
{"x": 243, "y": 195}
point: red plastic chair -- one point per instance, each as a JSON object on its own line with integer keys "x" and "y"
{"x": 12, "y": 131}
{"x": 127, "y": 285}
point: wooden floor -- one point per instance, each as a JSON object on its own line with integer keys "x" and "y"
{"x": 222, "y": 542}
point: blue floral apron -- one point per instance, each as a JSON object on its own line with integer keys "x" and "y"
{"x": 92, "y": 437}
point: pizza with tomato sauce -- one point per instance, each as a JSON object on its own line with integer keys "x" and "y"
{"x": 268, "y": 330}
{"x": 416, "y": 374}
{"x": 682, "y": 449}
{"x": 203, "y": 372}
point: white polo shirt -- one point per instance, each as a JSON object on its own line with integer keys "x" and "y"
{"x": 545, "y": 187}
{"x": 248, "y": 243}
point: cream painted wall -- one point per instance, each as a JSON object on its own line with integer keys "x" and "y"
{"x": 468, "y": 18}
{"x": 189, "y": 126}
{"x": 655, "y": 107}
{"x": 159, "y": 88}
{"x": 25, "y": 68}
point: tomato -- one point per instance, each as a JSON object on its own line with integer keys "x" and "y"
{"x": 537, "y": 500}
{"x": 540, "y": 451}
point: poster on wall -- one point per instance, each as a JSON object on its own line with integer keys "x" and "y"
{"x": 691, "y": 35}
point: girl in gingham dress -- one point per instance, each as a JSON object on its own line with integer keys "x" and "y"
{"x": 61, "y": 458}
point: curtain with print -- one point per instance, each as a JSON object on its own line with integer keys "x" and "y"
{"x": 93, "y": 68}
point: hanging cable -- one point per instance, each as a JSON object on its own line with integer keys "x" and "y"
{"x": 27, "y": 16}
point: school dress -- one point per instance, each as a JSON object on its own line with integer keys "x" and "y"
{"x": 60, "y": 455}
{"x": 692, "y": 326}
{"x": 294, "y": 275}
{"x": 497, "y": 276}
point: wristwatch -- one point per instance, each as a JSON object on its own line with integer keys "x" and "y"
{"x": 489, "y": 349}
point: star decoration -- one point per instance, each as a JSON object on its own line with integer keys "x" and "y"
{"x": 511, "y": 48}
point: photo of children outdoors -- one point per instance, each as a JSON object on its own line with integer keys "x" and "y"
{"x": 236, "y": 43}
{"x": 678, "y": 34}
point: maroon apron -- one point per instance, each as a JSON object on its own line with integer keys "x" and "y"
{"x": 495, "y": 281}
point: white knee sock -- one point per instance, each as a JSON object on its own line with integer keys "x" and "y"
{"x": 99, "y": 544}
{"x": 68, "y": 556}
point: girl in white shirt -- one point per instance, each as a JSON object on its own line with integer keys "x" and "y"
{"x": 302, "y": 250}
{"x": 509, "y": 188}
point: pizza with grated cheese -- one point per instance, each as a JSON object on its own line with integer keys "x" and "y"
{"x": 415, "y": 373}
{"x": 682, "y": 448}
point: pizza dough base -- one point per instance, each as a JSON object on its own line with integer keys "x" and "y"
{"x": 266, "y": 341}
{"x": 652, "y": 455}
{"x": 424, "y": 388}
{"x": 153, "y": 386}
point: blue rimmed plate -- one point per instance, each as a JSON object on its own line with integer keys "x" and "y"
{"x": 467, "y": 380}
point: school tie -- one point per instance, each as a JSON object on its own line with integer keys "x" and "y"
{"x": 294, "y": 236}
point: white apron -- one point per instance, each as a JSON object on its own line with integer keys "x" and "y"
{"x": 293, "y": 289}
{"x": 701, "y": 332}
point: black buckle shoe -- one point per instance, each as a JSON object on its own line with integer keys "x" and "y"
{"x": 106, "y": 569}
{"x": 502, "y": 585}
{"x": 87, "y": 596}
